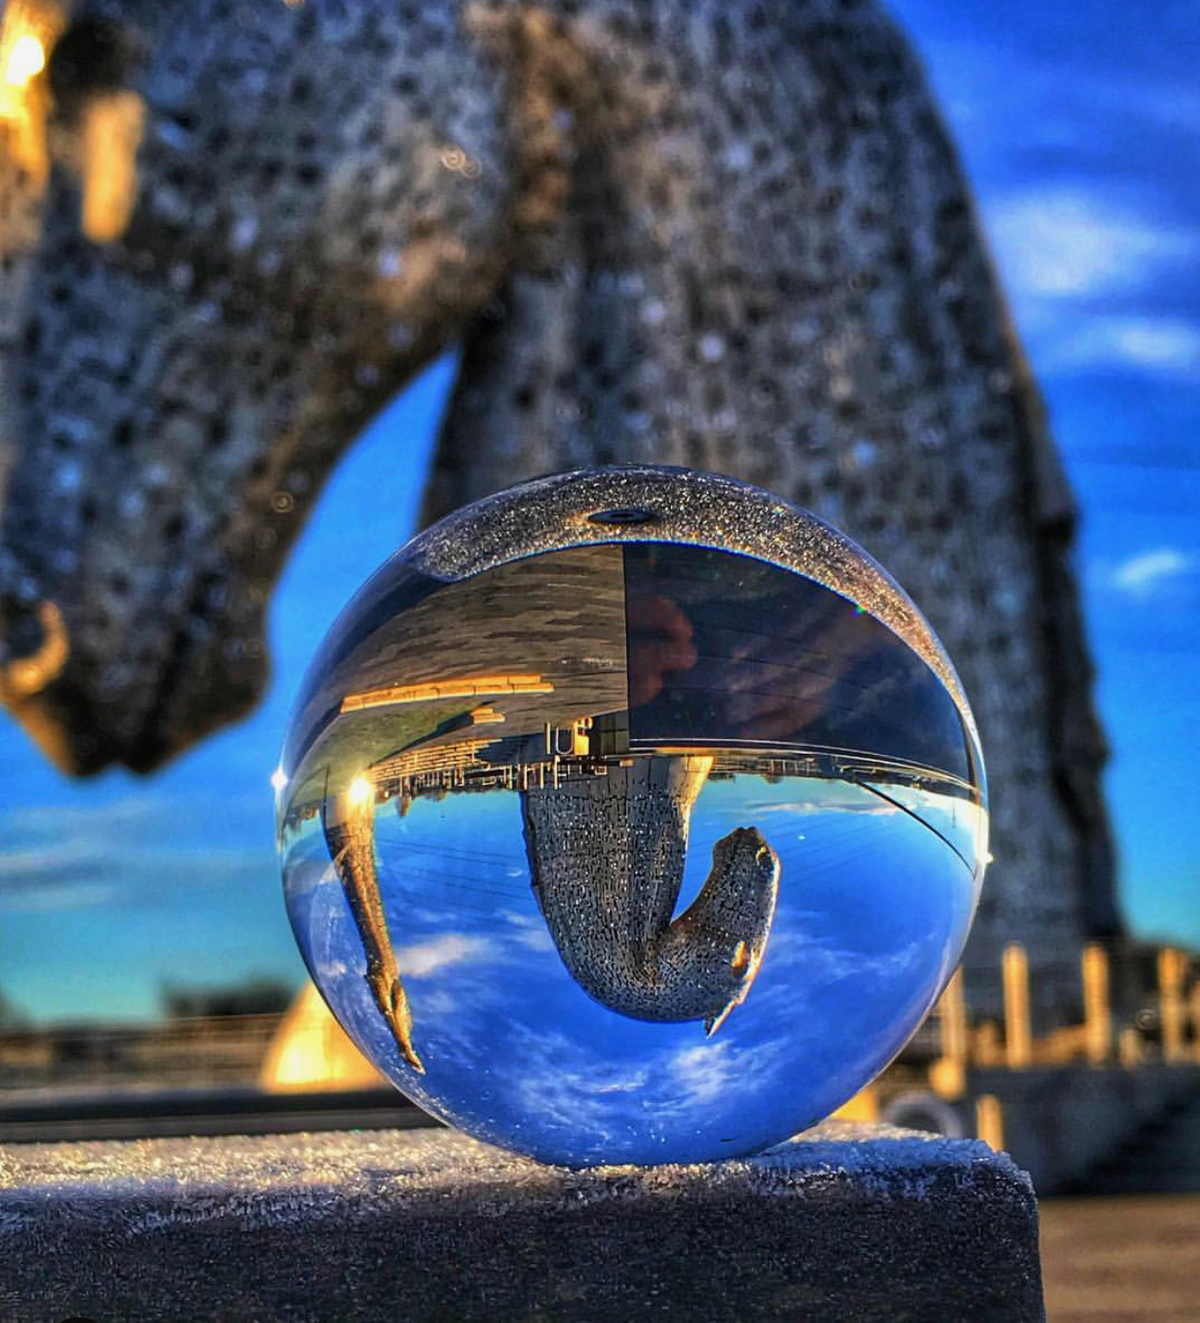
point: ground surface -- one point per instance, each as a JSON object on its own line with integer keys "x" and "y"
{"x": 1123, "y": 1259}
{"x": 861, "y": 1223}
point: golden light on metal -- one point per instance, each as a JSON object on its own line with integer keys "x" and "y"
{"x": 26, "y": 58}
{"x": 1172, "y": 970}
{"x": 947, "y": 1075}
{"x": 463, "y": 686}
{"x": 28, "y": 30}
{"x": 360, "y": 792}
{"x": 112, "y": 133}
{"x": 989, "y": 1121}
{"x": 25, "y": 676}
{"x": 863, "y": 1107}
{"x": 310, "y": 1050}
{"x": 111, "y": 126}
{"x": 1129, "y": 1047}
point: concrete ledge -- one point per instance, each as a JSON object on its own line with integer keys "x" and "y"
{"x": 844, "y": 1223}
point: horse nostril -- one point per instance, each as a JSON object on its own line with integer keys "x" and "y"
{"x": 34, "y": 650}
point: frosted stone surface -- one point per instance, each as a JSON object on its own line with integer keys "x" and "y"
{"x": 861, "y": 1223}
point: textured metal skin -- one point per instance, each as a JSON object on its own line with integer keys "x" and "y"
{"x": 728, "y": 234}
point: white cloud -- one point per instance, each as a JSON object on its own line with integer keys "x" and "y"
{"x": 55, "y": 896}
{"x": 1145, "y": 573}
{"x": 531, "y": 931}
{"x": 48, "y": 862}
{"x": 1163, "y": 345}
{"x": 1068, "y": 241}
{"x": 1091, "y": 264}
{"x": 451, "y": 949}
{"x": 858, "y": 802}
{"x": 705, "y": 1071}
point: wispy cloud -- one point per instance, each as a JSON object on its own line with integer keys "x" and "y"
{"x": 1065, "y": 99}
{"x": 1070, "y": 240}
{"x": 1089, "y": 211}
{"x": 1167, "y": 346}
{"x": 1090, "y": 277}
{"x": 59, "y": 896}
{"x": 33, "y": 863}
{"x": 857, "y": 803}
{"x": 450, "y": 949}
{"x": 705, "y": 1071}
{"x": 531, "y": 930}
{"x": 1151, "y": 571}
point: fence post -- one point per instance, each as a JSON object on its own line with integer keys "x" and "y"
{"x": 1172, "y": 966}
{"x": 989, "y": 1121}
{"x": 1018, "y": 1040}
{"x": 947, "y": 1075}
{"x": 1096, "y": 1008}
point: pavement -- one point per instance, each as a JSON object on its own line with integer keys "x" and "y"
{"x": 1128, "y": 1259}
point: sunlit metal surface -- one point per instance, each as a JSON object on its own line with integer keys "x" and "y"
{"x": 27, "y": 31}
{"x": 26, "y": 674}
{"x": 112, "y": 133}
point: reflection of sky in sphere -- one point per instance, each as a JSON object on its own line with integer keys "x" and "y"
{"x": 873, "y": 909}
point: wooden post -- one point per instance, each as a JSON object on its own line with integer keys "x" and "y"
{"x": 1096, "y": 1008}
{"x": 1018, "y": 1040}
{"x": 989, "y": 1121}
{"x": 1172, "y": 967}
{"x": 947, "y": 1075}
{"x": 1129, "y": 1047}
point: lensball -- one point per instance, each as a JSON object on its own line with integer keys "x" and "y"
{"x": 631, "y": 815}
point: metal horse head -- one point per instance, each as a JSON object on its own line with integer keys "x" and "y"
{"x": 726, "y": 235}
{"x": 227, "y": 233}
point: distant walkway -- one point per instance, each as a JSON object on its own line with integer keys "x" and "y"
{"x": 1123, "y": 1259}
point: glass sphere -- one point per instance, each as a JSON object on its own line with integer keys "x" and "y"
{"x": 631, "y": 815}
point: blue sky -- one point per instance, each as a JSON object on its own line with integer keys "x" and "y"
{"x": 1079, "y": 127}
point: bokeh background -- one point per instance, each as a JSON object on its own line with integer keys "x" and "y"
{"x": 1079, "y": 129}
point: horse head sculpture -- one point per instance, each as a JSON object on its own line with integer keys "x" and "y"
{"x": 724, "y": 234}
{"x": 248, "y": 224}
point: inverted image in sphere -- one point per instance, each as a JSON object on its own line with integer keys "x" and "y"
{"x": 632, "y": 815}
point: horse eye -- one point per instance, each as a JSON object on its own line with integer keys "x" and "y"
{"x": 92, "y": 55}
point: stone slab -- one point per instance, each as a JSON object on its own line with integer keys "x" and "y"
{"x": 845, "y": 1222}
